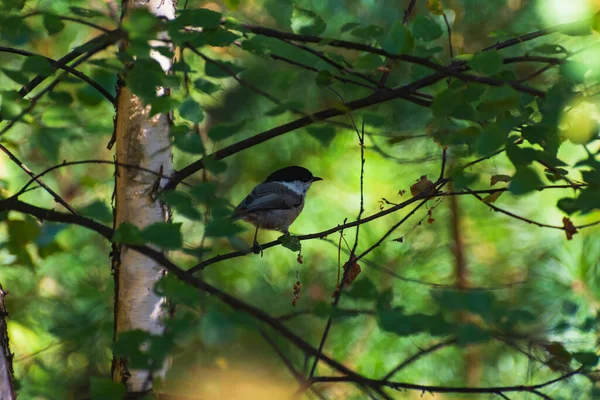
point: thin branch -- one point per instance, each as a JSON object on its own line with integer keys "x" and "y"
{"x": 12, "y": 204}
{"x": 107, "y": 39}
{"x": 26, "y": 89}
{"x": 417, "y": 356}
{"x": 67, "y": 68}
{"x": 70, "y": 163}
{"x": 37, "y": 179}
{"x": 513, "y": 215}
{"x": 444, "y": 159}
{"x": 288, "y": 363}
{"x": 343, "y": 312}
{"x": 320, "y": 235}
{"x": 351, "y": 261}
{"x": 408, "y": 11}
{"x": 449, "y": 29}
{"x": 376, "y": 98}
{"x": 449, "y": 389}
{"x": 67, "y": 18}
{"x": 437, "y": 186}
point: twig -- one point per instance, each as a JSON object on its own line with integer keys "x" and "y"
{"x": 37, "y": 179}
{"x": 449, "y": 29}
{"x": 376, "y": 98}
{"x": 449, "y": 389}
{"x": 417, "y": 356}
{"x": 26, "y": 89}
{"x": 351, "y": 261}
{"x": 67, "y": 68}
{"x": 288, "y": 363}
{"x": 51, "y": 215}
{"x": 70, "y": 163}
{"x": 396, "y": 207}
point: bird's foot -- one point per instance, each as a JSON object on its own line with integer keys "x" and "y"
{"x": 257, "y": 249}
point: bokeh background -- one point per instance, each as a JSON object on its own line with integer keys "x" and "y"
{"x": 59, "y": 277}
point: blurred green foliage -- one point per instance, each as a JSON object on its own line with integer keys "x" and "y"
{"x": 531, "y": 312}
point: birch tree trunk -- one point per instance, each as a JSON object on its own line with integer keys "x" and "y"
{"x": 7, "y": 390}
{"x": 141, "y": 141}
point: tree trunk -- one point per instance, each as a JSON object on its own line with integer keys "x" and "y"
{"x": 141, "y": 141}
{"x": 7, "y": 389}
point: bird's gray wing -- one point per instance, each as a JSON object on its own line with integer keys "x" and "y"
{"x": 268, "y": 196}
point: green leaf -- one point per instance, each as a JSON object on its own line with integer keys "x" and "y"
{"x": 105, "y": 388}
{"x": 53, "y": 24}
{"x": 398, "y": 40}
{"x": 323, "y": 133}
{"x": 487, "y": 62}
{"x": 290, "y": 242}
{"x": 324, "y": 78}
{"x": 15, "y": 31}
{"x": 61, "y": 98}
{"x": 141, "y": 25}
{"x": 348, "y": 26}
{"x": 97, "y": 210}
{"x": 213, "y": 71}
{"x": 17, "y": 76}
{"x": 37, "y": 65}
{"x": 86, "y": 12}
{"x": 549, "y": 48}
{"x": 182, "y": 204}
{"x": 426, "y": 29}
{"x": 223, "y": 131}
{"x": 164, "y": 234}
{"x": 176, "y": 291}
{"x": 191, "y": 110}
{"x": 129, "y": 346}
{"x": 200, "y": 17}
{"x": 205, "y": 86}
{"x": 587, "y": 358}
{"x": 491, "y": 138}
{"x": 128, "y": 233}
{"x": 520, "y": 156}
{"x": 395, "y": 321}
{"x": 363, "y": 289}
{"x": 204, "y": 192}
{"x": 215, "y": 166}
{"x": 144, "y": 78}
{"x": 187, "y": 140}
{"x": 215, "y": 37}
{"x": 22, "y": 232}
{"x": 163, "y": 104}
{"x": 525, "y": 180}
{"x": 281, "y": 11}
{"x": 282, "y": 108}
{"x": 307, "y": 22}
{"x": 375, "y": 120}
{"x": 446, "y": 102}
{"x": 470, "y": 334}
{"x": 222, "y": 228}
{"x": 369, "y": 61}
{"x": 587, "y": 201}
{"x": 368, "y": 33}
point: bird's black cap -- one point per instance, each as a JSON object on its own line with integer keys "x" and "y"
{"x": 293, "y": 173}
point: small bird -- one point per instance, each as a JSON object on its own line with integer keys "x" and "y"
{"x": 276, "y": 203}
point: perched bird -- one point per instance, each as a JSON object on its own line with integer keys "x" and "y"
{"x": 276, "y": 203}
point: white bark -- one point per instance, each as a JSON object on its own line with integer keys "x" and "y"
{"x": 141, "y": 141}
{"x": 7, "y": 389}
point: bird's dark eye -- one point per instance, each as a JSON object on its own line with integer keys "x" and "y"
{"x": 249, "y": 199}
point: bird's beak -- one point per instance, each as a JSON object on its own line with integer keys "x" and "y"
{"x": 316, "y": 178}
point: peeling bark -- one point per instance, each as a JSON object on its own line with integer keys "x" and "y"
{"x": 141, "y": 141}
